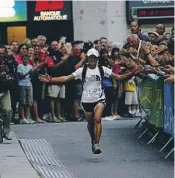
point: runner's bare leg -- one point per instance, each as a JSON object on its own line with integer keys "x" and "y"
{"x": 98, "y": 111}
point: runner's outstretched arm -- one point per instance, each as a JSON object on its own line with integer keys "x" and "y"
{"x": 134, "y": 72}
{"x": 47, "y": 78}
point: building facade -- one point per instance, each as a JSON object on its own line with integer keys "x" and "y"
{"x": 111, "y": 19}
{"x": 80, "y": 20}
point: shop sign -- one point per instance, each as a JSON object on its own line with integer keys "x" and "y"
{"x": 150, "y": 10}
{"x": 52, "y": 10}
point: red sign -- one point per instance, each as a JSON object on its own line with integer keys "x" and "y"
{"x": 156, "y": 12}
{"x": 49, "y": 5}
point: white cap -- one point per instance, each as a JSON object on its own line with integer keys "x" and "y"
{"x": 155, "y": 33}
{"x": 93, "y": 51}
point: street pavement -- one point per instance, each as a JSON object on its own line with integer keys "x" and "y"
{"x": 13, "y": 161}
{"x": 124, "y": 156}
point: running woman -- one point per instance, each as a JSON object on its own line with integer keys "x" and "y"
{"x": 93, "y": 97}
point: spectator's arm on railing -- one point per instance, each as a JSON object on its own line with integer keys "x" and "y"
{"x": 170, "y": 79}
{"x": 147, "y": 55}
{"x": 161, "y": 49}
{"x": 122, "y": 76}
{"x": 169, "y": 69}
{"x": 124, "y": 52}
{"x": 134, "y": 72}
{"x": 151, "y": 60}
{"x": 141, "y": 61}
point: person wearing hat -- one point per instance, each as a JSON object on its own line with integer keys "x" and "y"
{"x": 93, "y": 96}
{"x": 153, "y": 37}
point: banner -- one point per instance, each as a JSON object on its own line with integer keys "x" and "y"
{"x": 151, "y": 100}
{"x": 169, "y": 109}
{"x": 13, "y": 11}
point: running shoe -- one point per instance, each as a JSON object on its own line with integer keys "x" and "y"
{"x": 97, "y": 149}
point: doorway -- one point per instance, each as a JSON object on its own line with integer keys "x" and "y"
{"x": 17, "y": 33}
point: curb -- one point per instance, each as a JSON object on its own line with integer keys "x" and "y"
{"x": 13, "y": 161}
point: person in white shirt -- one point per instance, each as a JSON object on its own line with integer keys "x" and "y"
{"x": 25, "y": 91}
{"x": 93, "y": 97}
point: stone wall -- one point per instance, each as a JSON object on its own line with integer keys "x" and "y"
{"x": 94, "y": 19}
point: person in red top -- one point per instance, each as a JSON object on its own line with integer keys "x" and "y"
{"x": 56, "y": 92}
{"x": 22, "y": 50}
{"x": 45, "y": 64}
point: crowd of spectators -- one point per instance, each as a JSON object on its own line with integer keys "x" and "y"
{"x": 21, "y": 65}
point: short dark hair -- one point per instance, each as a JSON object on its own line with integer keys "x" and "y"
{"x": 3, "y": 47}
{"x": 96, "y": 41}
{"x": 103, "y": 38}
{"x": 25, "y": 56}
{"x": 20, "y": 46}
{"x": 103, "y": 51}
{"x": 87, "y": 46}
{"x": 136, "y": 21}
{"x": 114, "y": 50}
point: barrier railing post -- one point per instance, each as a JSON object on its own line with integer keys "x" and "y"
{"x": 166, "y": 144}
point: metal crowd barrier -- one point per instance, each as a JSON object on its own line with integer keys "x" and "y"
{"x": 156, "y": 100}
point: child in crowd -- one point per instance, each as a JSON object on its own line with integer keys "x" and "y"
{"x": 25, "y": 88}
{"x": 131, "y": 98}
{"x": 116, "y": 83}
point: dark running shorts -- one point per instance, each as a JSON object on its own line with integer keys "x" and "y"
{"x": 89, "y": 107}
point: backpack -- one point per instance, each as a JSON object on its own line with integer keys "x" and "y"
{"x": 100, "y": 70}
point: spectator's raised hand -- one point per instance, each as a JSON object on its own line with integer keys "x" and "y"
{"x": 62, "y": 40}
